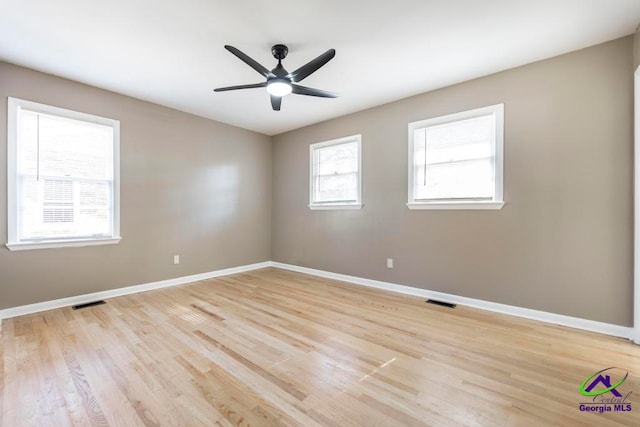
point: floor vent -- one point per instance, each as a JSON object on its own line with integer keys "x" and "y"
{"x": 442, "y": 303}
{"x": 89, "y": 304}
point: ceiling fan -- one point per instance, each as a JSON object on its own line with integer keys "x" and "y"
{"x": 280, "y": 82}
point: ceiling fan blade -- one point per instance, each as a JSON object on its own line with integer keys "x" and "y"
{"x": 303, "y": 90}
{"x": 312, "y": 66}
{"x": 248, "y": 60}
{"x": 275, "y": 102}
{"x": 250, "y": 86}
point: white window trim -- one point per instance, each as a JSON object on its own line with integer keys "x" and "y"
{"x": 62, "y": 243}
{"x": 340, "y": 205}
{"x": 498, "y": 200}
{"x": 14, "y": 105}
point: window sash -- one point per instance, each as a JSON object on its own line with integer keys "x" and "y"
{"x": 75, "y": 204}
{"x": 320, "y": 179}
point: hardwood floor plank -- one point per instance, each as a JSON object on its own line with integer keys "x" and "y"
{"x": 400, "y": 417}
{"x": 91, "y": 405}
{"x": 273, "y": 347}
{"x": 249, "y": 364}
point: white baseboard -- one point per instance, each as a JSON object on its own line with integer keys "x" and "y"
{"x": 83, "y": 299}
{"x": 543, "y": 316}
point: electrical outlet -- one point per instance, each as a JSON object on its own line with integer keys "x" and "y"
{"x": 176, "y": 259}
{"x": 389, "y": 262}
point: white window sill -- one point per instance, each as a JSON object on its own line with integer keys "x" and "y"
{"x": 336, "y": 207}
{"x": 21, "y": 246}
{"x": 456, "y": 205}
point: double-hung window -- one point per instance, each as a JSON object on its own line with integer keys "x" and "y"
{"x": 62, "y": 177}
{"x": 455, "y": 161}
{"x": 335, "y": 174}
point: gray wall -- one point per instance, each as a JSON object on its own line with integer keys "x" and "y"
{"x": 189, "y": 186}
{"x": 636, "y": 49}
{"x": 563, "y": 241}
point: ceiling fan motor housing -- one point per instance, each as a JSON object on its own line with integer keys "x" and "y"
{"x": 279, "y": 51}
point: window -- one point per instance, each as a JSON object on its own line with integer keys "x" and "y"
{"x": 455, "y": 161}
{"x": 62, "y": 177}
{"x": 335, "y": 174}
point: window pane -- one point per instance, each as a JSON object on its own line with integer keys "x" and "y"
{"x": 340, "y": 187}
{"x": 94, "y": 208}
{"x": 341, "y": 158}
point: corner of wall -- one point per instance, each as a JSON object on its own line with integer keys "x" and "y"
{"x": 272, "y": 140}
{"x": 636, "y": 48}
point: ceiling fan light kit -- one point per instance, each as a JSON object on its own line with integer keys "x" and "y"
{"x": 279, "y": 82}
{"x": 279, "y": 87}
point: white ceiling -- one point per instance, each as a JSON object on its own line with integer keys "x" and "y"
{"x": 171, "y": 52}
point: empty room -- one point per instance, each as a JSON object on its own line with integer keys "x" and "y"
{"x": 319, "y": 213}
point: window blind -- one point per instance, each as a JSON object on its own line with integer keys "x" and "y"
{"x": 455, "y": 161}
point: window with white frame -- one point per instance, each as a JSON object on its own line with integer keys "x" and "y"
{"x": 62, "y": 177}
{"x": 335, "y": 174}
{"x": 455, "y": 161}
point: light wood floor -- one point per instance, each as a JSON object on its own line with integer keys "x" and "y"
{"x": 273, "y": 347}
